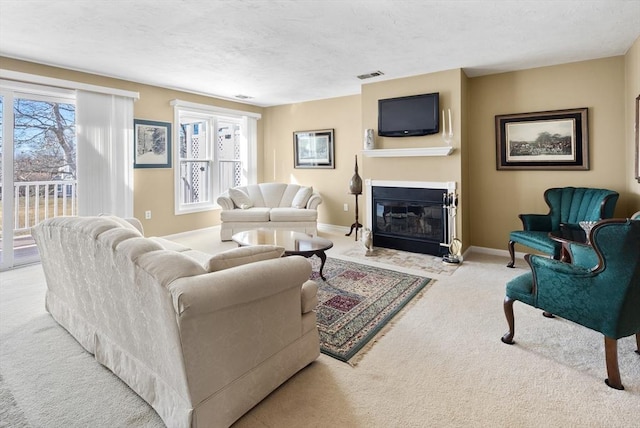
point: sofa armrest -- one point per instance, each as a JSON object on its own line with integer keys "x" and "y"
{"x": 232, "y": 321}
{"x": 536, "y": 222}
{"x": 241, "y": 256}
{"x": 225, "y": 202}
{"x": 314, "y": 201}
{"x": 309, "y": 296}
{"x": 240, "y": 285}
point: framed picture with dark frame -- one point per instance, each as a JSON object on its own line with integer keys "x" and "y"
{"x": 547, "y": 140}
{"x": 313, "y": 149}
{"x": 637, "y": 128}
{"x": 151, "y": 144}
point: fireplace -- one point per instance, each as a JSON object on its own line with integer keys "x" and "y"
{"x": 410, "y": 216}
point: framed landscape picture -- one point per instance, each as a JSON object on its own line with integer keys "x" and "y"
{"x": 549, "y": 140}
{"x": 151, "y": 144}
{"x": 313, "y": 149}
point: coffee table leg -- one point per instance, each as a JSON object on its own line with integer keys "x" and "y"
{"x": 323, "y": 258}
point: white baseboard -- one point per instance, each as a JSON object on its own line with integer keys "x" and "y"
{"x": 493, "y": 251}
{"x": 332, "y": 228}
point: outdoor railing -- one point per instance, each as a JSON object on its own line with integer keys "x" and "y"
{"x": 36, "y": 201}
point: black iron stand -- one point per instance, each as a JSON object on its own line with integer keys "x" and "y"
{"x": 355, "y": 225}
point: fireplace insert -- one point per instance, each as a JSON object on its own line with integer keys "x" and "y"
{"x": 409, "y": 219}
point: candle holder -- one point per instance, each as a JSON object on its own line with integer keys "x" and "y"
{"x": 447, "y": 137}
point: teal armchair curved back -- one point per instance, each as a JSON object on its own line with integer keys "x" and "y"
{"x": 567, "y": 206}
{"x": 570, "y": 205}
{"x": 604, "y": 297}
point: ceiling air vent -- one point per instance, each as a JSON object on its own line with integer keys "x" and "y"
{"x": 370, "y": 75}
{"x": 243, "y": 97}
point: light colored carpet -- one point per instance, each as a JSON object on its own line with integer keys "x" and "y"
{"x": 442, "y": 364}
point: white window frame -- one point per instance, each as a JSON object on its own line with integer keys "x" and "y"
{"x": 249, "y": 146}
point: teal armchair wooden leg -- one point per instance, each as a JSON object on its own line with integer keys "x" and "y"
{"x": 508, "y": 313}
{"x": 512, "y": 254}
{"x": 611, "y": 356}
{"x": 638, "y": 343}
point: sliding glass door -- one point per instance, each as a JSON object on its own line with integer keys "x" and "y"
{"x": 37, "y": 164}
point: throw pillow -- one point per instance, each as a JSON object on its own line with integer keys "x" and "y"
{"x": 243, "y": 255}
{"x": 302, "y": 197}
{"x": 240, "y": 198}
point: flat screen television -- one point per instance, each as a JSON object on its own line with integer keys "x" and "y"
{"x": 409, "y": 116}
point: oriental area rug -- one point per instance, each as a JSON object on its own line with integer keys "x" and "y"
{"x": 356, "y": 302}
{"x": 422, "y": 262}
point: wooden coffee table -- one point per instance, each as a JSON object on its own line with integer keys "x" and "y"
{"x": 294, "y": 243}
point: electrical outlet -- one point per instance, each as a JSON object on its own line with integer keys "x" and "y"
{"x": 346, "y": 207}
{"x": 147, "y": 215}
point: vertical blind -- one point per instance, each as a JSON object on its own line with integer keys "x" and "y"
{"x": 104, "y": 124}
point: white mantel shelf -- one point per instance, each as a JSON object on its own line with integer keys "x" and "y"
{"x": 420, "y": 151}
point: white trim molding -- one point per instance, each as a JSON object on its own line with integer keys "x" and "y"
{"x": 408, "y": 152}
{"x": 206, "y": 108}
{"x": 67, "y": 84}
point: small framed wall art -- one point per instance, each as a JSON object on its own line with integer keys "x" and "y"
{"x": 151, "y": 144}
{"x": 313, "y": 149}
{"x": 549, "y": 140}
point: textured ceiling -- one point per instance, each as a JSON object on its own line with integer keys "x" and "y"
{"x": 283, "y": 51}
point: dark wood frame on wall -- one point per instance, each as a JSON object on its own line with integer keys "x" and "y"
{"x": 565, "y": 148}
{"x": 313, "y": 149}
{"x": 638, "y": 138}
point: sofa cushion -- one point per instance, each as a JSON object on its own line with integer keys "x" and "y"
{"x": 251, "y": 214}
{"x": 166, "y": 266}
{"x": 302, "y": 197}
{"x": 287, "y": 197}
{"x": 537, "y": 240}
{"x": 243, "y": 255}
{"x": 135, "y": 247}
{"x": 169, "y": 245}
{"x": 293, "y": 214}
{"x": 272, "y": 193}
{"x": 130, "y": 224}
{"x": 240, "y": 198}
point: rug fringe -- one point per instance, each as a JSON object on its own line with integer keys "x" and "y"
{"x": 353, "y": 361}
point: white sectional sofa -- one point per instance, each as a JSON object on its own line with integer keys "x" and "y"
{"x": 202, "y": 338}
{"x": 269, "y": 205}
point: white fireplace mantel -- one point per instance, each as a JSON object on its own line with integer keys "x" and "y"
{"x": 406, "y": 152}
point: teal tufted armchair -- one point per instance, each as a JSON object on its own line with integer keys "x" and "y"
{"x": 568, "y": 206}
{"x": 604, "y": 297}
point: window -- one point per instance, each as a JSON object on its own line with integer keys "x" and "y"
{"x": 215, "y": 151}
{"x": 37, "y": 164}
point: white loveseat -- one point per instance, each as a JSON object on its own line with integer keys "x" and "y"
{"x": 269, "y": 205}
{"x": 201, "y": 338}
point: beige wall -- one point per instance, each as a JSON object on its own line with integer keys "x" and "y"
{"x": 497, "y": 197}
{"x": 632, "y": 90}
{"x": 340, "y": 114}
{"x": 153, "y": 187}
{"x": 490, "y": 199}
